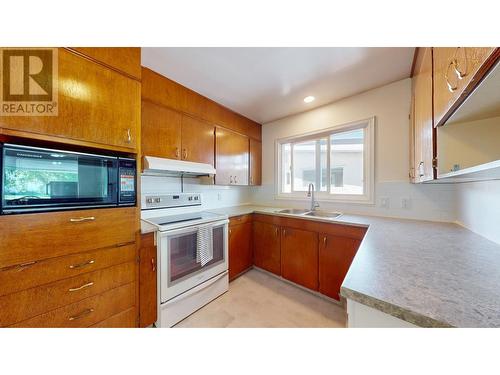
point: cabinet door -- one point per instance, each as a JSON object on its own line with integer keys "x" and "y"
{"x": 125, "y": 59}
{"x": 231, "y": 158}
{"x": 197, "y": 140}
{"x": 161, "y": 131}
{"x": 147, "y": 281}
{"x": 454, "y": 69}
{"x": 335, "y": 257}
{"x": 299, "y": 257}
{"x": 240, "y": 249}
{"x": 267, "y": 247}
{"x": 95, "y": 104}
{"x": 255, "y": 162}
{"x": 423, "y": 129}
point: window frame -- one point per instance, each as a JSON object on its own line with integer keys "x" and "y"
{"x": 368, "y": 164}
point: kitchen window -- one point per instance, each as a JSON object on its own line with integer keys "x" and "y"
{"x": 339, "y": 161}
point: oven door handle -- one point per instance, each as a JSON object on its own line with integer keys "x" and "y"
{"x": 198, "y": 288}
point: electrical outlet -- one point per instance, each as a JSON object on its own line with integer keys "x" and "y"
{"x": 384, "y": 202}
{"x": 406, "y": 203}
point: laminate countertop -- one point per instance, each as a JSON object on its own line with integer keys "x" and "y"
{"x": 430, "y": 274}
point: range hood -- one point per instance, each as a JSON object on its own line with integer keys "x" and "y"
{"x": 175, "y": 168}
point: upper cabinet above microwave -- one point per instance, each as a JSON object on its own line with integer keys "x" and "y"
{"x": 446, "y": 83}
{"x": 97, "y": 105}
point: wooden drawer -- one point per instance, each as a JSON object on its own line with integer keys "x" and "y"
{"x": 88, "y": 311}
{"x": 21, "y": 277}
{"x": 240, "y": 219}
{"x": 31, "y": 237}
{"x": 23, "y": 305}
{"x": 125, "y": 319}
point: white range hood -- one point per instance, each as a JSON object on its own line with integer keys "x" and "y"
{"x": 172, "y": 167}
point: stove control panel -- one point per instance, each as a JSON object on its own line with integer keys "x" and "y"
{"x": 171, "y": 200}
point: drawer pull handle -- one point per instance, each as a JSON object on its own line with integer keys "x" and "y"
{"x": 80, "y": 219}
{"x": 324, "y": 241}
{"x": 81, "y": 287}
{"x": 153, "y": 265}
{"x": 80, "y": 265}
{"x": 82, "y": 314}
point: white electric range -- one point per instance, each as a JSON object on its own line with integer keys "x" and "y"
{"x": 192, "y": 248}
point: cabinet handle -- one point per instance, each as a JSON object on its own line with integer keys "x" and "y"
{"x": 451, "y": 88}
{"x": 230, "y": 231}
{"x": 80, "y": 265}
{"x": 153, "y": 265}
{"x": 284, "y": 232}
{"x": 184, "y": 154}
{"x": 421, "y": 172}
{"x": 456, "y": 66}
{"x": 235, "y": 181}
{"x": 129, "y": 136}
{"x": 325, "y": 240}
{"x": 277, "y": 232}
{"x": 82, "y": 314}
{"x": 88, "y": 285}
{"x": 230, "y": 179}
{"x": 177, "y": 153}
{"x": 80, "y": 219}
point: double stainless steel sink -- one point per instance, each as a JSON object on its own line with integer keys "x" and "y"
{"x": 314, "y": 213}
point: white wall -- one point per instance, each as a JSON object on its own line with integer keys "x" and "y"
{"x": 478, "y": 208}
{"x": 390, "y": 105}
{"x": 212, "y": 196}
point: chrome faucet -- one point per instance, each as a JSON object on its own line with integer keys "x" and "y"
{"x": 310, "y": 193}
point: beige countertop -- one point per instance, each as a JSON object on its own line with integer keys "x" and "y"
{"x": 430, "y": 274}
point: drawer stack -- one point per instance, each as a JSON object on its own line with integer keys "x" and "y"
{"x": 69, "y": 269}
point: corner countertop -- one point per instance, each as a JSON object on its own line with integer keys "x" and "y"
{"x": 431, "y": 274}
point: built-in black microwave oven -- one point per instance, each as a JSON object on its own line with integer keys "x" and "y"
{"x": 37, "y": 179}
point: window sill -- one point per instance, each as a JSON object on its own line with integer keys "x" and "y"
{"x": 343, "y": 200}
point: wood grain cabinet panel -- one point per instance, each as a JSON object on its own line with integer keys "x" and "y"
{"x": 267, "y": 246}
{"x": 299, "y": 257}
{"x": 148, "y": 281}
{"x": 28, "y": 303}
{"x": 20, "y": 277}
{"x": 89, "y": 311}
{"x": 161, "y": 131}
{"x": 198, "y": 140}
{"x": 125, "y": 59}
{"x": 454, "y": 69}
{"x": 255, "y": 162}
{"x": 96, "y": 105}
{"x": 422, "y": 127}
{"x": 240, "y": 249}
{"x": 124, "y": 319}
{"x": 335, "y": 257}
{"x": 231, "y": 158}
{"x": 32, "y": 237}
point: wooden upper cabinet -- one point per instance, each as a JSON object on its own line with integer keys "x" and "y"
{"x": 147, "y": 281}
{"x": 255, "y": 162}
{"x": 124, "y": 59}
{"x": 231, "y": 158}
{"x": 422, "y": 120}
{"x": 335, "y": 257}
{"x": 197, "y": 140}
{"x": 240, "y": 249}
{"x": 161, "y": 131}
{"x": 454, "y": 70}
{"x": 299, "y": 257}
{"x": 267, "y": 246}
{"x": 97, "y": 107}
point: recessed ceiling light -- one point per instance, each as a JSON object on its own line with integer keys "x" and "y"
{"x": 308, "y": 99}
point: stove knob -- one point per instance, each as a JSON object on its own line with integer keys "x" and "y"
{"x": 190, "y": 198}
{"x": 196, "y": 198}
{"x": 149, "y": 200}
{"x": 157, "y": 200}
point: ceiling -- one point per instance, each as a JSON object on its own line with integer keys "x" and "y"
{"x": 265, "y": 84}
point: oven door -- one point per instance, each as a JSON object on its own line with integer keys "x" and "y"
{"x": 180, "y": 266}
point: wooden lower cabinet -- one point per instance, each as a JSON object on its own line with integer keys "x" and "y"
{"x": 89, "y": 311}
{"x": 148, "y": 298}
{"x": 240, "y": 249}
{"x": 124, "y": 319}
{"x": 299, "y": 257}
{"x": 267, "y": 246}
{"x": 335, "y": 257}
